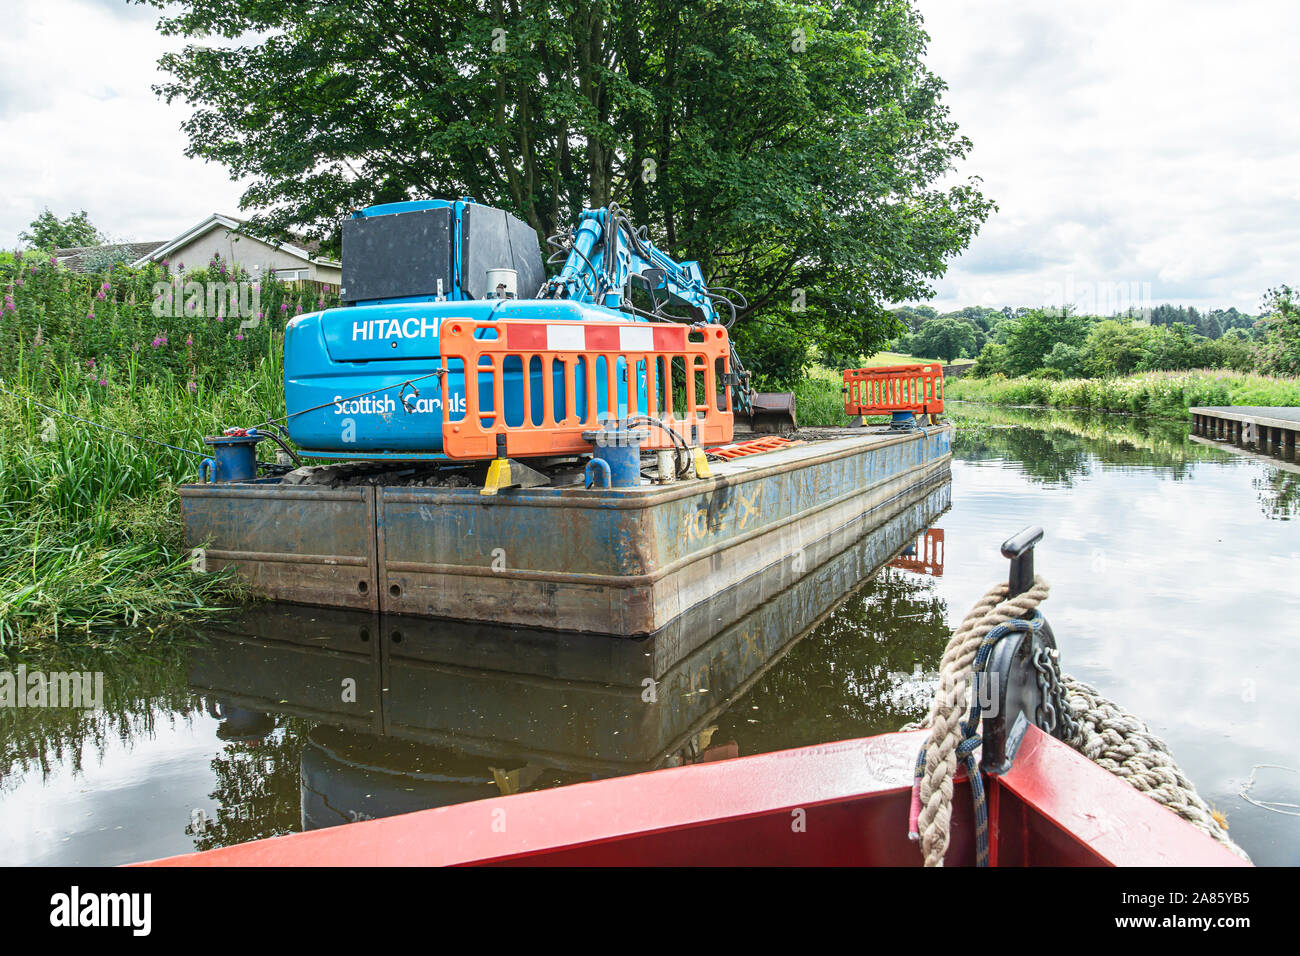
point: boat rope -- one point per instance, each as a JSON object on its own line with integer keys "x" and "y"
{"x": 1095, "y": 726}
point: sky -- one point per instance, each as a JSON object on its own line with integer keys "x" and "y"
{"x": 1139, "y": 152}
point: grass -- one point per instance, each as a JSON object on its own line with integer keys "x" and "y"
{"x": 897, "y": 358}
{"x": 90, "y": 530}
{"x": 1162, "y": 394}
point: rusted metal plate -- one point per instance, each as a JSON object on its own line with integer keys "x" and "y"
{"x": 301, "y": 544}
{"x": 626, "y": 561}
{"x": 629, "y": 562}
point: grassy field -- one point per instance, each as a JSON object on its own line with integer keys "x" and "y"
{"x": 1164, "y": 394}
{"x": 896, "y": 358}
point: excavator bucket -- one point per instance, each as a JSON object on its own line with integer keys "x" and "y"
{"x": 772, "y": 413}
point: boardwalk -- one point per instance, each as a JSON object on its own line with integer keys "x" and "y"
{"x": 1268, "y": 428}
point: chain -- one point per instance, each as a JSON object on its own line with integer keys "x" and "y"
{"x": 1053, "y": 716}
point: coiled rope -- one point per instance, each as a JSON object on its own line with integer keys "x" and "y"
{"x": 1103, "y": 732}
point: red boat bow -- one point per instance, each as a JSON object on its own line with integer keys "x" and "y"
{"x": 841, "y": 803}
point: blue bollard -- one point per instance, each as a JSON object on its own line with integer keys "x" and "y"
{"x": 234, "y": 458}
{"x": 903, "y": 420}
{"x": 616, "y": 458}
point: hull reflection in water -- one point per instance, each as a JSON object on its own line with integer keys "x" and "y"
{"x": 412, "y": 713}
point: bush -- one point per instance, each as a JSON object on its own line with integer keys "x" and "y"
{"x": 992, "y": 360}
{"x": 1165, "y": 394}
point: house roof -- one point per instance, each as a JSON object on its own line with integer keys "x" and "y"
{"x": 74, "y": 258}
{"x": 304, "y": 249}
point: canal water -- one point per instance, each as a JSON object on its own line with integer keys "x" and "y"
{"x": 1174, "y": 566}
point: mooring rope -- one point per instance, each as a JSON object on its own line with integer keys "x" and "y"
{"x": 1104, "y": 733}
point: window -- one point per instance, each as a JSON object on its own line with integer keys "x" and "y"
{"x": 291, "y": 275}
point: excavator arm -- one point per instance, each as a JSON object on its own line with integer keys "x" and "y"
{"x": 605, "y": 255}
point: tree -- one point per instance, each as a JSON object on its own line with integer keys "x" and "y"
{"x": 947, "y": 339}
{"x": 48, "y": 231}
{"x": 1280, "y": 350}
{"x": 1113, "y": 348}
{"x": 992, "y": 361}
{"x": 799, "y": 152}
{"x": 1033, "y": 335}
{"x": 1066, "y": 359}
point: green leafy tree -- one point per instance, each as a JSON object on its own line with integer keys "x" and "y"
{"x": 1113, "y": 348}
{"x": 992, "y": 360}
{"x": 1065, "y": 359}
{"x": 947, "y": 339}
{"x": 1035, "y": 333}
{"x": 1280, "y": 350}
{"x": 48, "y": 231}
{"x": 800, "y": 152}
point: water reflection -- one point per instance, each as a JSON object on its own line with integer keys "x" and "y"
{"x": 1057, "y": 447}
{"x": 923, "y": 556}
{"x": 376, "y": 715}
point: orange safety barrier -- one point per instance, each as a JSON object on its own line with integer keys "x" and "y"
{"x": 671, "y": 362}
{"x": 894, "y": 388}
{"x": 754, "y": 446}
{"x": 925, "y": 556}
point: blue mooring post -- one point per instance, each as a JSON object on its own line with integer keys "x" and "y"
{"x": 903, "y": 420}
{"x": 616, "y": 458}
{"x": 234, "y": 457}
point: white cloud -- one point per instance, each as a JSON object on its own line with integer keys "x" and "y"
{"x": 80, "y": 126}
{"x": 1147, "y": 143}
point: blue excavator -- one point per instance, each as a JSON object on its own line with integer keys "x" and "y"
{"x": 362, "y": 381}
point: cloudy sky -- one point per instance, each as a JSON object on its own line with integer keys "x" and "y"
{"x": 1140, "y": 151}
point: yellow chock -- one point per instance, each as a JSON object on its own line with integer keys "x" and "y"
{"x": 498, "y": 477}
{"x": 701, "y": 463}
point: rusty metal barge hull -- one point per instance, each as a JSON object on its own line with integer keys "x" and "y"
{"x": 621, "y": 561}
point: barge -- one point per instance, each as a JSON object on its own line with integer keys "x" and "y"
{"x": 563, "y": 556}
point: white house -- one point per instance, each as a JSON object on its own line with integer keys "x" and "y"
{"x": 221, "y": 235}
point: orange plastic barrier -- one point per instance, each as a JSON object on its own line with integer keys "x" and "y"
{"x": 569, "y": 361}
{"x": 926, "y": 555}
{"x": 755, "y": 446}
{"x": 894, "y": 388}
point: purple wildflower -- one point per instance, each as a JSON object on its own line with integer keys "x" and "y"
{"x": 159, "y": 340}
{"x": 103, "y": 381}
{"x": 189, "y": 340}
{"x": 284, "y": 306}
{"x": 239, "y": 338}
{"x": 90, "y": 316}
{"x": 191, "y": 387}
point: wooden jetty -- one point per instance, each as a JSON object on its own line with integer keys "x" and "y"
{"x": 1267, "y": 428}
